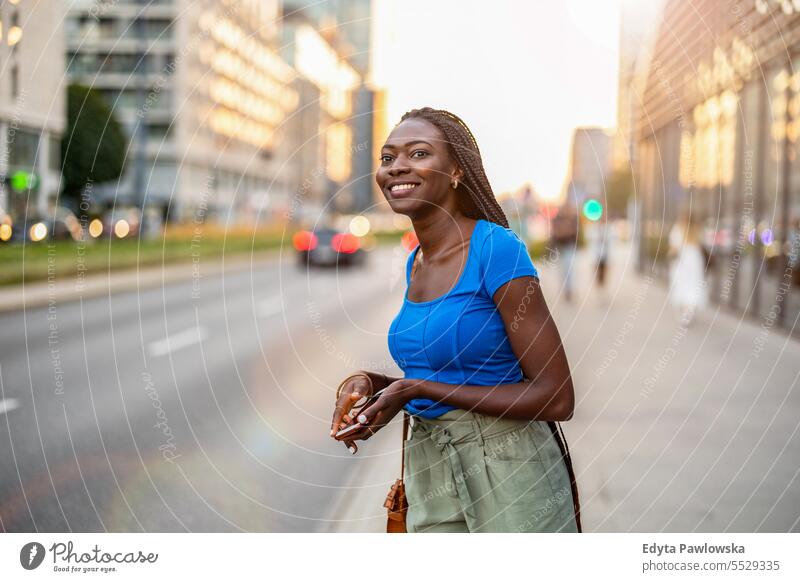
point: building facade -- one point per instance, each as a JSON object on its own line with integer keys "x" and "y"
{"x": 717, "y": 137}
{"x": 326, "y": 146}
{"x": 204, "y": 96}
{"x": 32, "y": 106}
{"x": 590, "y": 164}
{"x": 344, "y": 27}
{"x": 638, "y": 26}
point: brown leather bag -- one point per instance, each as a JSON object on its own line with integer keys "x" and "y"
{"x": 396, "y": 502}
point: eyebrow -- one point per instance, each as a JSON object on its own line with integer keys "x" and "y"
{"x": 409, "y": 143}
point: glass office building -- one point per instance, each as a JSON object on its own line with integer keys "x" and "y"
{"x": 717, "y": 135}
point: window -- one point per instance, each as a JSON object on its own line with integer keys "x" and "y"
{"x": 22, "y": 148}
{"x": 54, "y": 144}
{"x": 159, "y": 131}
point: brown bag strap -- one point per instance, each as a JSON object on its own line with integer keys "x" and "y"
{"x": 555, "y": 428}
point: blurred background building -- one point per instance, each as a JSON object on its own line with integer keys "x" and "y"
{"x": 638, "y": 27}
{"x": 590, "y": 163}
{"x": 202, "y": 92}
{"x": 235, "y": 110}
{"x": 32, "y": 104}
{"x": 329, "y": 43}
{"x": 717, "y": 136}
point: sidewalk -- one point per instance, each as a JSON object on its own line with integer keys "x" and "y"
{"x": 676, "y": 429}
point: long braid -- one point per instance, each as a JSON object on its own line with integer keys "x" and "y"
{"x": 476, "y": 196}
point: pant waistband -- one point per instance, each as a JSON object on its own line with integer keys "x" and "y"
{"x": 465, "y": 426}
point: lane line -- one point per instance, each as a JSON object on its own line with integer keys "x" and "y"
{"x": 180, "y": 340}
{"x": 8, "y": 405}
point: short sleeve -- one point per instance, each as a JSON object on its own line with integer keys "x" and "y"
{"x": 504, "y": 257}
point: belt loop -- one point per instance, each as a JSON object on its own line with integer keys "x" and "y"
{"x": 478, "y": 432}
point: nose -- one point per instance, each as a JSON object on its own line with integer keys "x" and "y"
{"x": 397, "y": 168}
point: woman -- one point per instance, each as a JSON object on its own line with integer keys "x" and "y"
{"x": 688, "y": 291}
{"x": 473, "y": 328}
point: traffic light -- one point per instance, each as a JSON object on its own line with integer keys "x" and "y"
{"x": 22, "y": 181}
{"x": 592, "y": 209}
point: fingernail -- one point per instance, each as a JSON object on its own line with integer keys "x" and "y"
{"x": 353, "y": 450}
{"x": 362, "y": 419}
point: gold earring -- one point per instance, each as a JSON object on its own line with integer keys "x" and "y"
{"x": 454, "y": 184}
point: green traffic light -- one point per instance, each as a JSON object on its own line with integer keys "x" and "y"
{"x": 592, "y": 209}
{"x": 21, "y": 181}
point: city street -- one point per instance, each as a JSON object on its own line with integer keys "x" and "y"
{"x": 202, "y": 406}
{"x": 205, "y": 406}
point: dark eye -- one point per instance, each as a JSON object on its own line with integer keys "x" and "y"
{"x": 423, "y": 152}
{"x": 385, "y": 159}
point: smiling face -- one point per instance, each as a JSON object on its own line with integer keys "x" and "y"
{"x": 416, "y": 170}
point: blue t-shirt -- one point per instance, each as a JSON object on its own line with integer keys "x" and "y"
{"x": 459, "y": 338}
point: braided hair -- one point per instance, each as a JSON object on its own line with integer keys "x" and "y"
{"x": 474, "y": 193}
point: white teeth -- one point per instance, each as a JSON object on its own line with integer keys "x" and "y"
{"x": 401, "y": 187}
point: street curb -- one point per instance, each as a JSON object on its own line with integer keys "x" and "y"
{"x": 43, "y": 293}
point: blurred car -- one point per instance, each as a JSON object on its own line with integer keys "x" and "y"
{"x": 62, "y": 224}
{"x": 6, "y": 226}
{"x": 328, "y": 246}
{"x": 120, "y": 223}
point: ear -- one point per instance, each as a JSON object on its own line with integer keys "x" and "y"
{"x": 457, "y": 174}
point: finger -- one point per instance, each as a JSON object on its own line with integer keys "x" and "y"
{"x": 368, "y": 415}
{"x": 351, "y": 446}
{"x": 338, "y": 413}
{"x": 364, "y": 433}
{"x": 345, "y": 436}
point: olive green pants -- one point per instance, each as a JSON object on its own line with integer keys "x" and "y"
{"x": 467, "y": 472}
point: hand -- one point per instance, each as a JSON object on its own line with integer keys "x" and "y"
{"x": 378, "y": 414}
{"x": 353, "y": 390}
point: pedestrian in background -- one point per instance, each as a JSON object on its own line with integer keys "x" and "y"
{"x": 688, "y": 291}
{"x": 564, "y": 238}
{"x": 599, "y": 237}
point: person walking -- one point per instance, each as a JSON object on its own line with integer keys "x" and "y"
{"x": 486, "y": 376}
{"x": 688, "y": 291}
{"x": 599, "y": 237}
{"x": 564, "y": 238}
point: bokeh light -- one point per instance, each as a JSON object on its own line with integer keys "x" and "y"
{"x": 592, "y": 209}
{"x": 359, "y": 225}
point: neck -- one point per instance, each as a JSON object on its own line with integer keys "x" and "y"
{"x": 439, "y": 233}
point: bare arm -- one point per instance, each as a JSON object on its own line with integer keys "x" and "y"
{"x": 546, "y": 393}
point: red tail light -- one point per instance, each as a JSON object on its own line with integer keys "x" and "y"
{"x": 345, "y": 243}
{"x": 304, "y": 240}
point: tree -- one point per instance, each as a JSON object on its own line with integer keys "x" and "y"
{"x": 93, "y": 146}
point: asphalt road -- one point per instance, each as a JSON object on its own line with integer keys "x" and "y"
{"x": 199, "y": 406}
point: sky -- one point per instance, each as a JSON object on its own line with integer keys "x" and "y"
{"x": 522, "y": 75}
